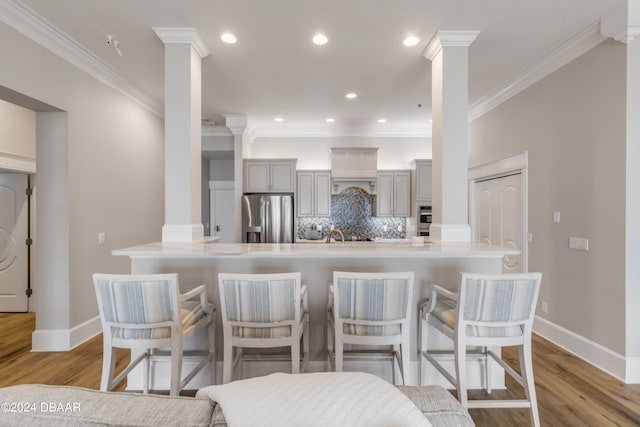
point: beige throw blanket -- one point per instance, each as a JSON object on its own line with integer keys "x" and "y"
{"x": 313, "y": 400}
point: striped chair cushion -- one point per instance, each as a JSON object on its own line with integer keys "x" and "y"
{"x": 190, "y": 313}
{"x": 144, "y": 303}
{"x": 372, "y": 300}
{"x": 445, "y": 311}
{"x": 260, "y": 301}
{"x": 499, "y": 300}
{"x": 491, "y": 301}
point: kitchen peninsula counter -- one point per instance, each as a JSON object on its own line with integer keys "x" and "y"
{"x": 316, "y": 250}
{"x": 200, "y": 263}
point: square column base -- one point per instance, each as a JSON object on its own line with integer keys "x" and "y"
{"x": 185, "y": 233}
{"x": 450, "y": 233}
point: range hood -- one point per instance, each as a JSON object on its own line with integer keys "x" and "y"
{"x": 354, "y": 167}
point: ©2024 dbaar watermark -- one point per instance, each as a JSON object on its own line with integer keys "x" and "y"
{"x": 40, "y": 407}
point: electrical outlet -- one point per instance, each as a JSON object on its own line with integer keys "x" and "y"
{"x": 385, "y": 228}
{"x": 556, "y": 217}
{"x": 530, "y": 237}
{"x": 399, "y": 228}
{"x": 544, "y": 307}
{"x": 102, "y": 238}
{"x": 579, "y": 244}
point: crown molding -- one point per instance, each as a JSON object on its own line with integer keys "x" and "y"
{"x": 323, "y": 133}
{"x": 449, "y": 39}
{"x": 16, "y": 163}
{"x": 623, "y": 22}
{"x": 633, "y": 30}
{"x": 579, "y": 43}
{"x": 180, "y": 35}
{"x": 27, "y": 22}
{"x": 215, "y": 130}
{"x": 626, "y": 35}
{"x": 236, "y": 123}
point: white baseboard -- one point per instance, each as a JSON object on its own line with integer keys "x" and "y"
{"x": 65, "y": 339}
{"x": 599, "y": 356}
{"x": 50, "y": 340}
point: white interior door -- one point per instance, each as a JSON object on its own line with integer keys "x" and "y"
{"x": 13, "y": 248}
{"x": 499, "y": 217}
{"x": 222, "y": 212}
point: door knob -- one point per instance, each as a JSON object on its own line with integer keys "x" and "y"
{"x": 217, "y": 228}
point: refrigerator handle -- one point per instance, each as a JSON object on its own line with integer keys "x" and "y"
{"x": 266, "y": 220}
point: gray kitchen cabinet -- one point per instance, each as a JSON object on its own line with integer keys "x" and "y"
{"x": 423, "y": 181}
{"x": 394, "y": 193}
{"x": 355, "y": 162}
{"x": 314, "y": 194}
{"x": 269, "y": 175}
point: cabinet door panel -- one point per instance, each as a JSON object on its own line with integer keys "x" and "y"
{"x": 305, "y": 194}
{"x": 282, "y": 177}
{"x": 323, "y": 194}
{"x": 385, "y": 194}
{"x": 423, "y": 181}
{"x": 402, "y": 194}
{"x": 256, "y": 177}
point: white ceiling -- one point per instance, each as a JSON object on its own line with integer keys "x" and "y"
{"x": 275, "y": 70}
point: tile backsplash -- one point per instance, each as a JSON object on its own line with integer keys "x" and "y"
{"x": 352, "y": 212}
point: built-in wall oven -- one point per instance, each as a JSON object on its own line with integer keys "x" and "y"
{"x": 424, "y": 220}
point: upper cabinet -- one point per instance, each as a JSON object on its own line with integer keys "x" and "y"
{"x": 314, "y": 193}
{"x": 269, "y": 175}
{"x": 354, "y": 163}
{"x": 394, "y": 193}
{"x": 423, "y": 181}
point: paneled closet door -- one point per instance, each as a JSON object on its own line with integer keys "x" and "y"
{"x": 13, "y": 246}
{"x": 499, "y": 221}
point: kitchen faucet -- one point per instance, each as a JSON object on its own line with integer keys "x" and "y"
{"x": 335, "y": 231}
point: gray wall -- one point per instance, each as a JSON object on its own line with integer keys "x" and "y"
{"x": 573, "y": 125}
{"x": 113, "y": 179}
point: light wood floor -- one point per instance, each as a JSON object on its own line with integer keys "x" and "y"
{"x": 570, "y": 392}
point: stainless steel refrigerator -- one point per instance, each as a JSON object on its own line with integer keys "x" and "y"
{"x": 267, "y": 218}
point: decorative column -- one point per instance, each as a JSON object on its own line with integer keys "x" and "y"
{"x": 448, "y": 52}
{"x": 623, "y": 24}
{"x": 183, "y": 53}
{"x": 237, "y": 124}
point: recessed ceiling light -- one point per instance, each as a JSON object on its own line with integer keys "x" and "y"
{"x": 330, "y": 120}
{"x": 351, "y": 95}
{"x": 382, "y": 120}
{"x": 228, "y": 38}
{"x": 411, "y": 41}
{"x": 279, "y": 119}
{"x": 320, "y": 39}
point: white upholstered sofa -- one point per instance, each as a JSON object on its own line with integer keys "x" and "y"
{"x": 42, "y": 405}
